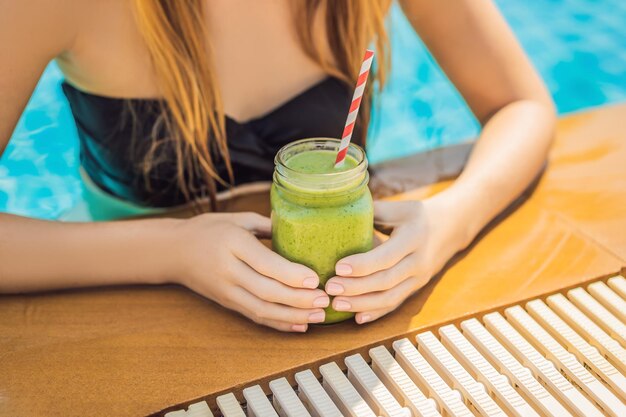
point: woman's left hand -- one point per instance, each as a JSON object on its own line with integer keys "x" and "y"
{"x": 374, "y": 283}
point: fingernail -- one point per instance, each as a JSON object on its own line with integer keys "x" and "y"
{"x": 341, "y": 305}
{"x": 363, "y": 318}
{"x": 311, "y": 282}
{"x": 343, "y": 269}
{"x": 321, "y": 302}
{"x": 317, "y": 317}
{"x": 333, "y": 288}
{"x": 299, "y": 328}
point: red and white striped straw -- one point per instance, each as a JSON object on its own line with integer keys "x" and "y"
{"x": 354, "y": 107}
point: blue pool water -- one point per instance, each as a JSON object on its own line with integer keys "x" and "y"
{"x": 578, "y": 46}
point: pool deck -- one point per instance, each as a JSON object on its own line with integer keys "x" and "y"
{"x": 138, "y": 350}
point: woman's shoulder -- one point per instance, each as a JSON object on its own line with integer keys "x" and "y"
{"x": 54, "y": 25}
{"x": 32, "y": 26}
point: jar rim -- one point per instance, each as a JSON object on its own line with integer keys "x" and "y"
{"x": 361, "y": 158}
{"x": 313, "y": 194}
{"x": 316, "y": 184}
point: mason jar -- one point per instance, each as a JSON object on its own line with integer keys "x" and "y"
{"x": 321, "y": 214}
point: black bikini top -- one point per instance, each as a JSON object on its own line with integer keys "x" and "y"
{"x": 114, "y": 160}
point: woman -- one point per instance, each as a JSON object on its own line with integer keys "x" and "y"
{"x": 177, "y": 100}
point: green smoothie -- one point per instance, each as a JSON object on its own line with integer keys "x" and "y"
{"x": 319, "y": 162}
{"x": 320, "y": 213}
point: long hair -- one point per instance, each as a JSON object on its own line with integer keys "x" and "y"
{"x": 175, "y": 35}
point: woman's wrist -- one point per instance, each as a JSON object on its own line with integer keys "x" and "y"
{"x": 140, "y": 251}
{"x": 163, "y": 251}
{"x": 457, "y": 212}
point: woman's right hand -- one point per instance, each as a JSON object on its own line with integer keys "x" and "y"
{"x": 219, "y": 256}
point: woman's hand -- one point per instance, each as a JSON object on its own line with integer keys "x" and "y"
{"x": 374, "y": 283}
{"x": 221, "y": 258}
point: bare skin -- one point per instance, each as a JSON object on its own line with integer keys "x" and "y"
{"x": 99, "y": 49}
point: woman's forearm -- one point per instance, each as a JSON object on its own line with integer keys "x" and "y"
{"x": 507, "y": 157}
{"x": 40, "y": 255}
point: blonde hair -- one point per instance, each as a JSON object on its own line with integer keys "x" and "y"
{"x": 175, "y": 34}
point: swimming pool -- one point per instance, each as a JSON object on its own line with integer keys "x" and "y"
{"x": 578, "y": 46}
